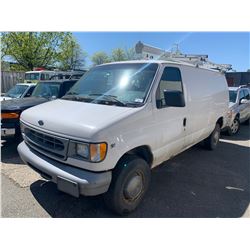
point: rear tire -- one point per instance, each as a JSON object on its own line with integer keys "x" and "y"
{"x": 130, "y": 181}
{"x": 212, "y": 140}
{"x": 235, "y": 127}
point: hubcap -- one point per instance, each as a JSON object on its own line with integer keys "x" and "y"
{"x": 234, "y": 126}
{"x": 134, "y": 187}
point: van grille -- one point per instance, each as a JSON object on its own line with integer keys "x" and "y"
{"x": 49, "y": 144}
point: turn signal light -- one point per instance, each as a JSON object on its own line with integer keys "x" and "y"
{"x": 9, "y": 115}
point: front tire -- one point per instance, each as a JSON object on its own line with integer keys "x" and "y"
{"x": 130, "y": 181}
{"x": 212, "y": 140}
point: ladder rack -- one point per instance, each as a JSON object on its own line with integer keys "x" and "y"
{"x": 145, "y": 51}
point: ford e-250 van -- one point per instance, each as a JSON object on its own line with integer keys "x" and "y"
{"x": 118, "y": 122}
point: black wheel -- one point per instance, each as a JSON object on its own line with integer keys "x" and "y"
{"x": 130, "y": 181}
{"x": 235, "y": 127}
{"x": 213, "y": 139}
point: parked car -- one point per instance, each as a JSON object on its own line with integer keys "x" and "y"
{"x": 118, "y": 122}
{"x": 239, "y": 109}
{"x": 43, "y": 92}
{"x": 20, "y": 90}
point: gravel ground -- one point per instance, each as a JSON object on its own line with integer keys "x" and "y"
{"x": 196, "y": 183}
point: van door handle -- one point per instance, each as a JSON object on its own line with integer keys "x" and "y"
{"x": 184, "y": 122}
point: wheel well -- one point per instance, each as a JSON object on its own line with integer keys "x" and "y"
{"x": 237, "y": 116}
{"x": 142, "y": 151}
{"x": 220, "y": 121}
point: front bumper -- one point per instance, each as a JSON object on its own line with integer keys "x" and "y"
{"x": 10, "y": 127}
{"x": 76, "y": 181}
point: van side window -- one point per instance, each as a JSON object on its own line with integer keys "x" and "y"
{"x": 170, "y": 80}
{"x": 42, "y": 76}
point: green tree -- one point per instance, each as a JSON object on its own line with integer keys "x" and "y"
{"x": 118, "y": 54}
{"x": 33, "y": 49}
{"x": 100, "y": 57}
{"x": 70, "y": 56}
{"x": 130, "y": 54}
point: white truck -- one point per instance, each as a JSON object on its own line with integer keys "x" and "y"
{"x": 118, "y": 122}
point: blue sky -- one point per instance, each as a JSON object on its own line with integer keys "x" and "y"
{"x": 221, "y": 47}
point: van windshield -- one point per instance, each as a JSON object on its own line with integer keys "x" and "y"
{"x": 115, "y": 84}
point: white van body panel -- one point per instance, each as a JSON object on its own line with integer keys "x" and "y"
{"x": 160, "y": 130}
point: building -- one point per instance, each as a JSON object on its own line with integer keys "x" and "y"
{"x": 238, "y": 78}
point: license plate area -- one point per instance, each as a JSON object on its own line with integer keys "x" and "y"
{"x": 68, "y": 186}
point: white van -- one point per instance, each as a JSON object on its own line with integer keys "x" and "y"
{"x": 38, "y": 75}
{"x": 119, "y": 121}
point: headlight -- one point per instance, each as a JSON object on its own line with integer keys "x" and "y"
{"x": 82, "y": 150}
{"x": 94, "y": 152}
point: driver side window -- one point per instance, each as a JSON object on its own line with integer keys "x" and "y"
{"x": 170, "y": 80}
{"x": 241, "y": 96}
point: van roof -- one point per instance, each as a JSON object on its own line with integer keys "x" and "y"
{"x": 161, "y": 62}
{"x": 38, "y": 71}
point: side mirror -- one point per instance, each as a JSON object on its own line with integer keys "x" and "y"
{"x": 244, "y": 101}
{"x": 174, "y": 98}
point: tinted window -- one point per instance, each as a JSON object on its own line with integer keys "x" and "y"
{"x": 247, "y": 95}
{"x": 29, "y": 92}
{"x": 32, "y": 76}
{"x": 67, "y": 86}
{"x": 241, "y": 96}
{"x": 46, "y": 89}
{"x": 170, "y": 80}
{"x": 232, "y": 95}
{"x": 42, "y": 76}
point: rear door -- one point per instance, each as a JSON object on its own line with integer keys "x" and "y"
{"x": 247, "y": 106}
{"x": 171, "y": 121}
{"x": 242, "y": 107}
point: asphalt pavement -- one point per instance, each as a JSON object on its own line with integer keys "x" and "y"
{"x": 196, "y": 183}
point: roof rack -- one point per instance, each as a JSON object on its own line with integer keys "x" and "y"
{"x": 145, "y": 51}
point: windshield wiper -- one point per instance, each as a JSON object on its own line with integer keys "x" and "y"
{"x": 71, "y": 93}
{"x": 77, "y": 98}
{"x": 111, "y": 98}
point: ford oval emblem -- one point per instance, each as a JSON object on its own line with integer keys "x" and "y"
{"x": 40, "y": 122}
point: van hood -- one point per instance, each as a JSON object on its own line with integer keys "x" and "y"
{"x": 75, "y": 119}
{"x": 22, "y": 103}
